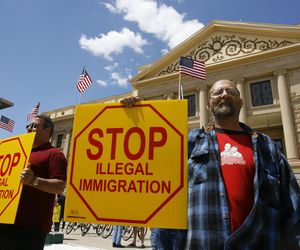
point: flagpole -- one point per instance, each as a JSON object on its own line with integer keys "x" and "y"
{"x": 80, "y": 97}
{"x": 180, "y": 94}
{"x": 81, "y": 92}
{"x": 83, "y": 82}
{"x": 179, "y": 80}
{"x": 181, "y": 90}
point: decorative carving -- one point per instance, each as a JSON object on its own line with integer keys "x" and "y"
{"x": 217, "y": 48}
{"x": 280, "y": 72}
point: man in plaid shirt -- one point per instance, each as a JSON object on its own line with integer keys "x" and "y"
{"x": 242, "y": 191}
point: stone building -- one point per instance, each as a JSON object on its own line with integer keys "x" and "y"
{"x": 264, "y": 61}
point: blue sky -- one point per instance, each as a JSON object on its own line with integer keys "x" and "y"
{"x": 45, "y": 44}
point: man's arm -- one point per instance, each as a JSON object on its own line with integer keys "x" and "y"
{"x": 53, "y": 186}
{"x": 290, "y": 210}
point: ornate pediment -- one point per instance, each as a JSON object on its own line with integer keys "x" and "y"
{"x": 224, "y": 47}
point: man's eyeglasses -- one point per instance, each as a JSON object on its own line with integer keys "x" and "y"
{"x": 229, "y": 91}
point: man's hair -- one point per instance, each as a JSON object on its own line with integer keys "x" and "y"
{"x": 47, "y": 123}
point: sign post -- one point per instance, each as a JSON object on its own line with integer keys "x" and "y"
{"x": 128, "y": 166}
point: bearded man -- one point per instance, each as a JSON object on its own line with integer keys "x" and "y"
{"x": 247, "y": 198}
{"x": 242, "y": 193}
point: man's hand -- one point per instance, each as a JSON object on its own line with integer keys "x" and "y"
{"x": 27, "y": 176}
{"x": 130, "y": 101}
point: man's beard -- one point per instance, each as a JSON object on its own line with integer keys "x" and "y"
{"x": 224, "y": 110}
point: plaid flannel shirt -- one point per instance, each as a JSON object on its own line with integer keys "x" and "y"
{"x": 276, "y": 210}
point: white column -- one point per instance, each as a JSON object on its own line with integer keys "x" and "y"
{"x": 290, "y": 137}
{"x": 241, "y": 87}
{"x": 67, "y": 143}
{"x": 203, "y": 112}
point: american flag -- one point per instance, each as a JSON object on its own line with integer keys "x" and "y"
{"x": 33, "y": 113}
{"x": 84, "y": 81}
{"x": 192, "y": 67}
{"x": 6, "y": 123}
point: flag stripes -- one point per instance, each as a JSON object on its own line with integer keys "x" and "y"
{"x": 33, "y": 113}
{"x": 6, "y": 123}
{"x": 192, "y": 67}
{"x": 84, "y": 81}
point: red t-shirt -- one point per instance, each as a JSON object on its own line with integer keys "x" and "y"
{"x": 237, "y": 168}
{"x": 36, "y": 207}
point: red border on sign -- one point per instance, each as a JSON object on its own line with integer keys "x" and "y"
{"x": 165, "y": 202}
{"x": 20, "y": 181}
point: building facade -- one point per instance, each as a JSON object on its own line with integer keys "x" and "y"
{"x": 264, "y": 61}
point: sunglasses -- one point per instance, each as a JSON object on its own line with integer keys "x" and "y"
{"x": 229, "y": 91}
{"x": 31, "y": 126}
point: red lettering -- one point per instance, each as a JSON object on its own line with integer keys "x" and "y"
{"x": 141, "y": 150}
{"x": 95, "y": 132}
{"x": 139, "y": 169}
{"x": 131, "y": 187}
{"x": 128, "y": 168}
{"x": 15, "y": 161}
{"x": 147, "y": 170}
{"x": 110, "y": 171}
{"x": 134, "y": 142}
{"x": 99, "y": 169}
{"x": 156, "y": 143}
{"x": 122, "y": 186}
{"x": 8, "y": 163}
{"x": 5, "y": 167}
{"x": 119, "y": 168}
{"x": 114, "y": 132}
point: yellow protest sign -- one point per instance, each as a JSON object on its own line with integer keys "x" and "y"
{"x": 56, "y": 213}
{"x": 128, "y": 166}
{"x": 14, "y": 156}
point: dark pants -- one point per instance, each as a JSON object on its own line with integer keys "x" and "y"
{"x": 57, "y": 225}
{"x": 170, "y": 239}
{"x": 13, "y": 237}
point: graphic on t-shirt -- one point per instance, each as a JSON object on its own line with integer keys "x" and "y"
{"x": 231, "y": 155}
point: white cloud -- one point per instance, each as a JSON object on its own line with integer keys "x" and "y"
{"x": 110, "y": 7}
{"x": 120, "y": 80}
{"x": 102, "y": 83}
{"x": 164, "y": 51}
{"x": 111, "y": 67}
{"x": 162, "y": 21}
{"x": 112, "y": 43}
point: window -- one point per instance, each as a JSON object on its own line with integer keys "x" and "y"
{"x": 59, "y": 140}
{"x": 261, "y": 93}
{"x": 191, "y": 105}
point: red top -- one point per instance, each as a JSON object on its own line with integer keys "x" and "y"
{"x": 36, "y": 207}
{"x": 237, "y": 168}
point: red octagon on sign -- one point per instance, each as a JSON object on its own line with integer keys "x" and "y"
{"x": 162, "y": 203}
{"x": 17, "y": 147}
